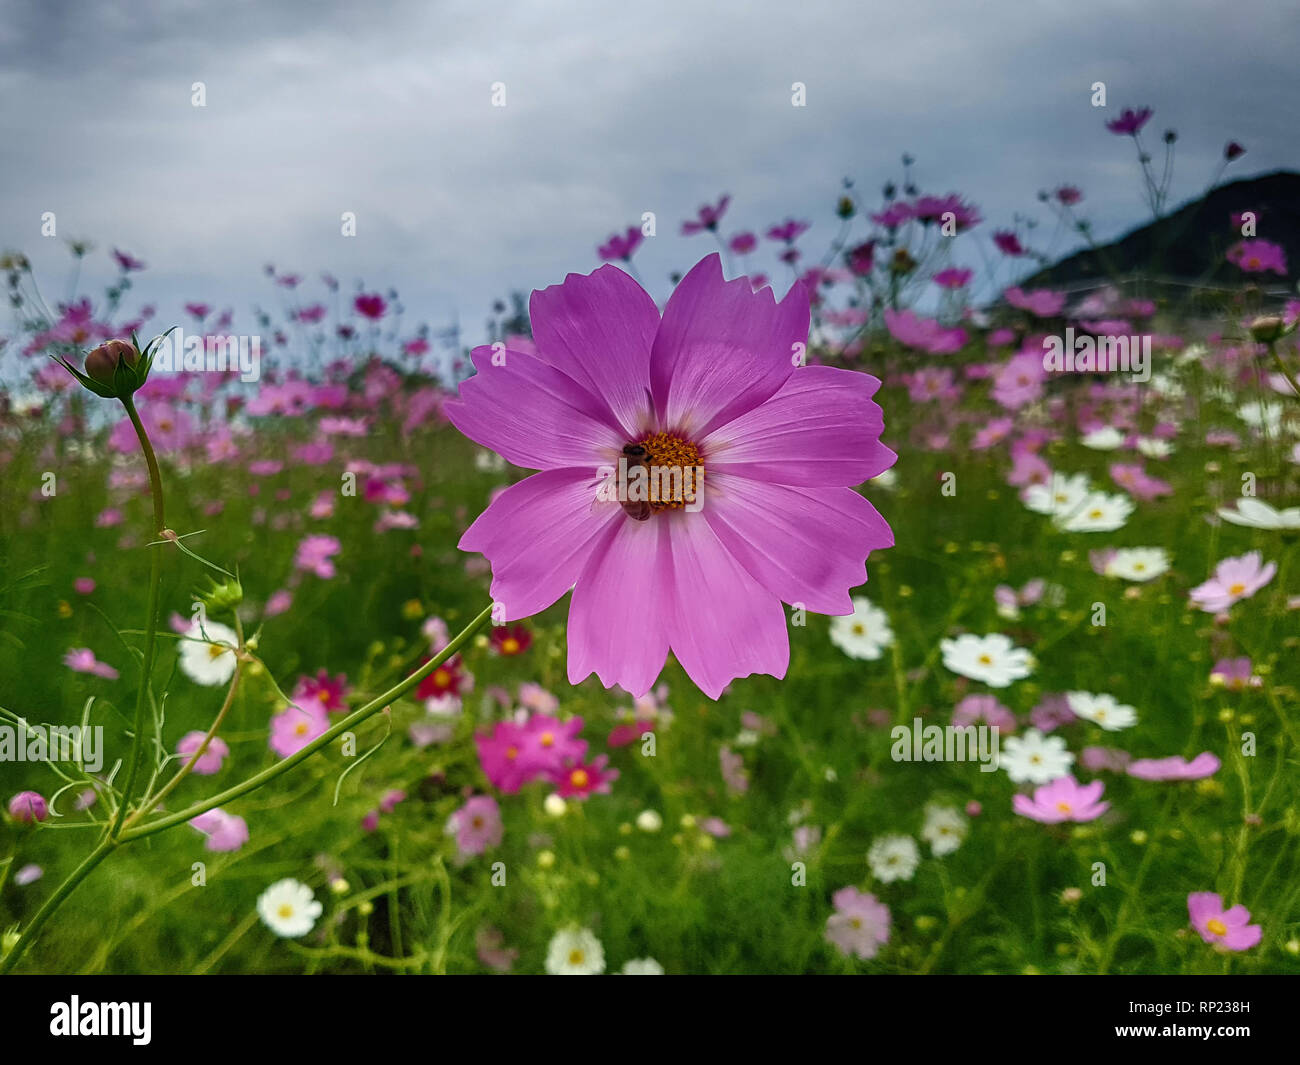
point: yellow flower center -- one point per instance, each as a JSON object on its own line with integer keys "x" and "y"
{"x": 215, "y": 651}
{"x": 285, "y": 910}
{"x": 1063, "y": 807}
{"x": 579, "y": 778}
{"x": 548, "y": 739}
{"x": 671, "y": 463}
{"x": 576, "y": 957}
{"x": 1216, "y": 926}
{"x": 510, "y": 646}
{"x": 985, "y": 660}
{"x": 1236, "y": 589}
{"x": 301, "y": 728}
{"x": 512, "y": 753}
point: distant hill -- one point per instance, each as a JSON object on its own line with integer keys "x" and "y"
{"x": 1189, "y": 245}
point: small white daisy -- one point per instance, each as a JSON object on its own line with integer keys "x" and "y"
{"x": 1033, "y": 758}
{"x": 1154, "y": 448}
{"x": 1138, "y": 563}
{"x": 944, "y": 829}
{"x": 208, "y": 653}
{"x": 865, "y": 633}
{"x": 1261, "y": 414}
{"x": 642, "y": 967}
{"x": 1103, "y": 710}
{"x": 288, "y": 908}
{"x": 1256, "y": 514}
{"x": 893, "y": 858}
{"x": 1107, "y": 438}
{"x": 1097, "y": 512}
{"x": 575, "y": 952}
{"x": 992, "y": 658}
{"x": 1061, "y": 494}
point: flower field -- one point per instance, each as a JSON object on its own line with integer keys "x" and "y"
{"x": 958, "y": 661}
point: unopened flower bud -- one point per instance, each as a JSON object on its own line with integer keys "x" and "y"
{"x": 1267, "y": 328}
{"x": 102, "y": 363}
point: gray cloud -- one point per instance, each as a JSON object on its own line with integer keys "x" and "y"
{"x": 613, "y": 109}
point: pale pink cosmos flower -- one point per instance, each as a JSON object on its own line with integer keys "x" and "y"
{"x": 1104, "y": 759}
{"x": 1040, "y": 302}
{"x": 296, "y": 726}
{"x": 1203, "y": 765}
{"x": 1234, "y": 579}
{"x": 1225, "y": 929}
{"x": 717, "y": 382}
{"x": 84, "y": 585}
{"x": 975, "y": 709}
{"x": 860, "y": 923}
{"x": 82, "y": 660}
{"x": 1063, "y": 799}
{"x": 1234, "y": 674}
{"x": 225, "y": 832}
{"x": 211, "y": 759}
{"x": 923, "y": 334}
{"x": 315, "y": 554}
{"x": 476, "y": 826}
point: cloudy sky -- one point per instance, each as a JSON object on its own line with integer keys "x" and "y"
{"x": 612, "y": 109}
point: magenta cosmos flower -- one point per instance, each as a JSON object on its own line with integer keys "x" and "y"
{"x": 716, "y": 384}
{"x": 1226, "y": 929}
{"x": 28, "y": 807}
{"x": 212, "y": 758}
{"x": 1130, "y": 122}
{"x": 1063, "y": 799}
{"x": 1234, "y": 579}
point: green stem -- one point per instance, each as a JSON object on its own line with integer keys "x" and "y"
{"x": 51, "y": 904}
{"x": 357, "y": 717}
{"x": 155, "y": 592}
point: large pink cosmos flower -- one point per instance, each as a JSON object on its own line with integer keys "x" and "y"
{"x": 718, "y": 383}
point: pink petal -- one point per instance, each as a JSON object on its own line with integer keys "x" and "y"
{"x": 538, "y": 535}
{"x": 805, "y": 546}
{"x": 533, "y": 415}
{"x": 821, "y": 429}
{"x": 617, "y": 618}
{"x": 722, "y": 624}
{"x": 599, "y": 329}
{"x": 722, "y": 348}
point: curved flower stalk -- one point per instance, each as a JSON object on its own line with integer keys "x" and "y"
{"x": 129, "y": 820}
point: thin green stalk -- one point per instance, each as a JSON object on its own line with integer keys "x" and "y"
{"x": 51, "y": 904}
{"x": 150, "y": 639}
{"x": 357, "y": 717}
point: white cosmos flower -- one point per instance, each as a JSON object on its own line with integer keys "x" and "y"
{"x": 893, "y": 858}
{"x": 642, "y": 967}
{"x": 1107, "y": 438}
{"x": 994, "y": 659}
{"x": 1033, "y": 758}
{"x": 1138, "y": 563}
{"x": 1153, "y": 447}
{"x": 1103, "y": 710}
{"x": 1256, "y": 514}
{"x": 1260, "y": 414}
{"x": 944, "y": 829}
{"x": 863, "y": 634}
{"x": 887, "y": 479}
{"x": 207, "y": 653}
{"x": 1167, "y": 385}
{"x": 288, "y": 908}
{"x": 1061, "y": 494}
{"x": 1098, "y": 512}
{"x": 575, "y": 952}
